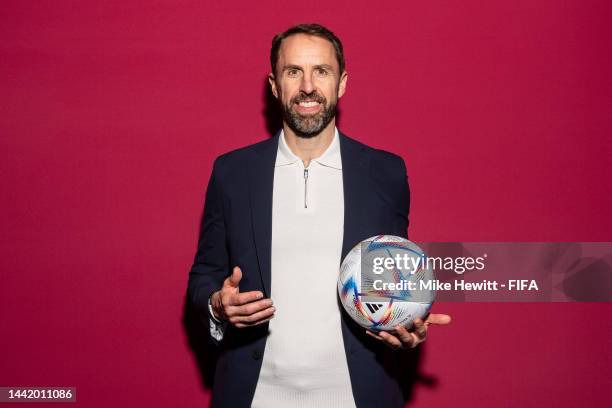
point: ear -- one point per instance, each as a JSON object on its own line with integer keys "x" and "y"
{"x": 272, "y": 82}
{"x": 342, "y": 84}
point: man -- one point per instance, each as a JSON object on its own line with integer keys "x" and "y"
{"x": 279, "y": 217}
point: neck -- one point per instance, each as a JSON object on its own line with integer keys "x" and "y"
{"x": 309, "y": 148}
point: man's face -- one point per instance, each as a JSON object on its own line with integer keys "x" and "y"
{"x": 308, "y": 83}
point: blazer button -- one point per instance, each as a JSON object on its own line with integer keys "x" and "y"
{"x": 257, "y": 354}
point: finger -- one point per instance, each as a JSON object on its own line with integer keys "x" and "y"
{"x": 419, "y": 329}
{"x": 391, "y": 340}
{"x": 376, "y": 336}
{"x": 438, "y": 319}
{"x": 243, "y": 325}
{"x": 248, "y": 309}
{"x": 253, "y": 318}
{"x": 239, "y": 299}
{"x": 234, "y": 278}
{"x": 408, "y": 339}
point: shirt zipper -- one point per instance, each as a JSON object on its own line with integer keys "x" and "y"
{"x": 305, "y": 188}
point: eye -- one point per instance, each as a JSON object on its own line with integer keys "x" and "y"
{"x": 321, "y": 72}
{"x": 292, "y": 72}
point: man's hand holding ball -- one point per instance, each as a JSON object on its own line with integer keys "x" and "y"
{"x": 403, "y": 338}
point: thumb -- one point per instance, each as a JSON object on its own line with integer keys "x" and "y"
{"x": 234, "y": 278}
{"x": 438, "y": 319}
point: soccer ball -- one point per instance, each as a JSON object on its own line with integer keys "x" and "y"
{"x": 385, "y": 281}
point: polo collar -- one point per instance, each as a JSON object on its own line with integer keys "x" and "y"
{"x": 330, "y": 158}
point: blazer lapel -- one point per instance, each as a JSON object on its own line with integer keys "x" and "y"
{"x": 355, "y": 178}
{"x": 355, "y": 169}
{"x": 261, "y": 186}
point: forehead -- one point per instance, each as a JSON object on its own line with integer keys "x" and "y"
{"x": 302, "y": 49}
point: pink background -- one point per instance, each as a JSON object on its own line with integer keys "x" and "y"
{"x": 112, "y": 113}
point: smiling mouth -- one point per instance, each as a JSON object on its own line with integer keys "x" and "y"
{"x": 308, "y": 104}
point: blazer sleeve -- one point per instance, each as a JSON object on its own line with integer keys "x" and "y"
{"x": 211, "y": 263}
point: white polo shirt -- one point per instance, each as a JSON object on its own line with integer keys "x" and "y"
{"x": 304, "y": 363}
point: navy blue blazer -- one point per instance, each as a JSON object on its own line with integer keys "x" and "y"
{"x": 237, "y": 231}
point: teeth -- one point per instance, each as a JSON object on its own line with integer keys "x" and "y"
{"x": 308, "y": 104}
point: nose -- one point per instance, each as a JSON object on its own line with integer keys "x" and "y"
{"x": 306, "y": 85}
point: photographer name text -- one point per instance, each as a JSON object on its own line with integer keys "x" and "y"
{"x": 436, "y": 285}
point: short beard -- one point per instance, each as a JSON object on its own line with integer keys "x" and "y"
{"x": 308, "y": 126}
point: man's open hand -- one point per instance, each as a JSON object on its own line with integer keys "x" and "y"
{"x": 403, "y": 338}
{"x": 240, "y": 309}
